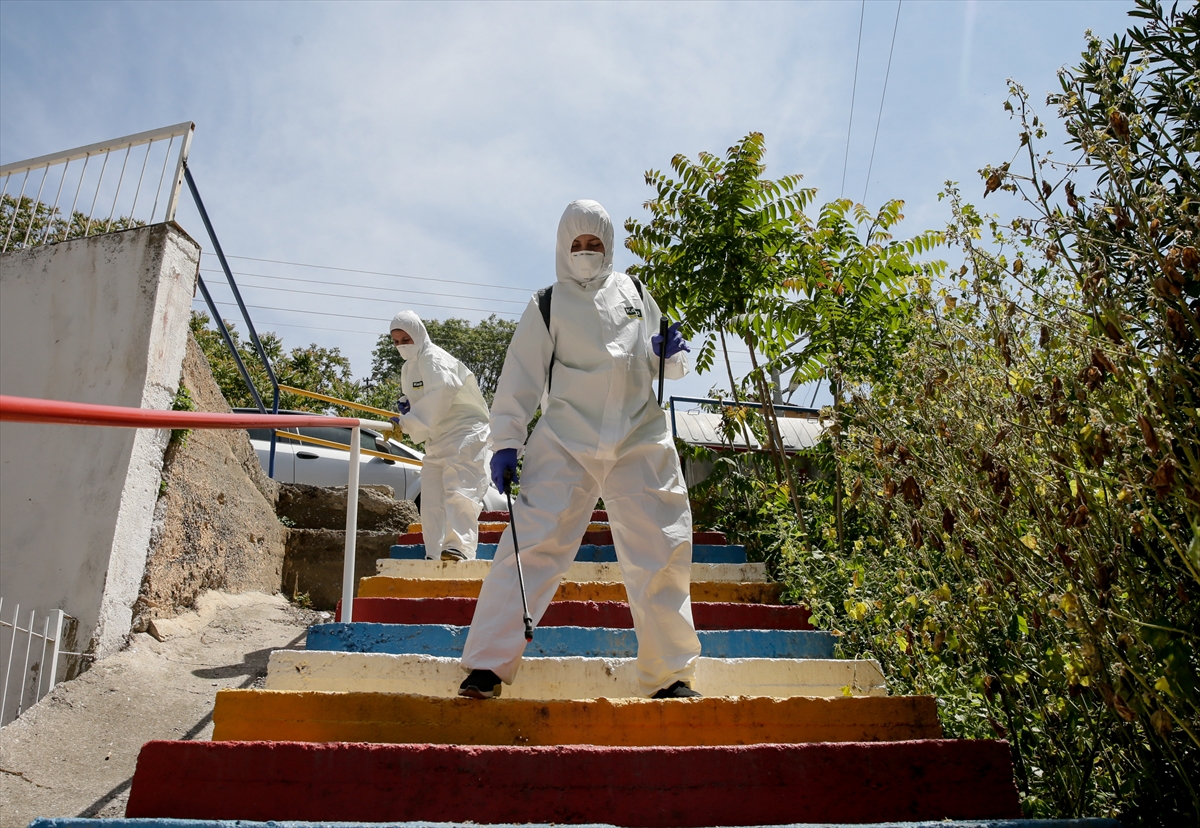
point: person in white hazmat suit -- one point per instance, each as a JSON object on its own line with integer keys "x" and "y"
{"x": 443, "y": 406}
{"x": 591, "y": 365}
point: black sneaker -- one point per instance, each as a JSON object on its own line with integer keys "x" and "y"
{"x": 481, "y": 684}
{"x": 454, "y": 555}
{"x": 678, "y": 690}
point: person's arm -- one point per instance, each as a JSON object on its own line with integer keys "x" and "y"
{"x": 522, "y": 380}
{"x": 441, "y": 387}
{"x": 677, "y": 365}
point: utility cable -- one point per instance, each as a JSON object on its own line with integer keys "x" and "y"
{"x": 339, "y": 284}
{"x": 853, "y": 92}
{"x": 882, "y": 98}
{"x": 380, "y": 273}
{"x": 378, "y": 319}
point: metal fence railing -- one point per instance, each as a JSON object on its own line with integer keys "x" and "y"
{"x": 37, "y": 666}
{"x": 114, "y": 183}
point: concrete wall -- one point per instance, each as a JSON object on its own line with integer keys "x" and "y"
{"x": 98, "y": 320}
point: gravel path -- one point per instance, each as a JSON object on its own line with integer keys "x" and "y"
{"x": 73, "y": 754}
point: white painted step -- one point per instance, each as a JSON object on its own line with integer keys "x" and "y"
{"x": 579, "y": 572}
{"x": 569, "y": 678}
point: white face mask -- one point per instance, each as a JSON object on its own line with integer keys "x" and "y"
{"x": 407, "y": 352}
{"x": 586, "y": 265}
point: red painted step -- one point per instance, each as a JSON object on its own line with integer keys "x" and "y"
{"x": 598, "y": 515}
{"x": 596, "y": 538}
{"x": 652, "y": 787}
{"x": 459, "y": 611}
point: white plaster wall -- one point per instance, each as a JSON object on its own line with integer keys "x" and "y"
{"x": 99, "y": 320}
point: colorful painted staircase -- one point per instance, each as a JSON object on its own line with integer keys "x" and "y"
{"x": 365, "y": 724}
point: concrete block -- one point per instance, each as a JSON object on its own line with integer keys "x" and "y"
{"x": 381, "y": 586}
{"x": 701, "y": 553}
{"x": 630, "y": 786}
{"x": 464, "y": 570}
{"x": 283, "y": 716}
{"x": 459, "y": 611}
{"x": 571, "y": 677}
{"x": 552, "y": 642}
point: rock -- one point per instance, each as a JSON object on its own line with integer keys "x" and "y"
{"x": 313, "y": 564}
{"x": 324, "y": 507}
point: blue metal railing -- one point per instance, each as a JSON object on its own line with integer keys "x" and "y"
{"x": 237, "y": 295}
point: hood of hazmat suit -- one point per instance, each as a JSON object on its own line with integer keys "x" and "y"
{"x": 600, "y": 392}
{"x": 444, "y": 395}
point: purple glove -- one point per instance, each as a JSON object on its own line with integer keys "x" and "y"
{"x": 403, "y": 405}
{"x": 675, "y": 342}
{"x": 505, "y": 460}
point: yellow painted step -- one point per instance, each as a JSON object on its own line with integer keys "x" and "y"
{"x": 380, "y": 586}
{"x": 579, "y": 571}
{"x": 273, "y": 715}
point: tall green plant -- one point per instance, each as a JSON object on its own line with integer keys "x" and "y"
{"x": 853, "y": 307}
{"x": 718, "y": 250}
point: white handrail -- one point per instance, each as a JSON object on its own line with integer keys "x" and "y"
{"x": 135, "y": 140}
{"x": 59, "y": 226}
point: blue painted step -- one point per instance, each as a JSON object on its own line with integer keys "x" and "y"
{"x": 590, "y": 642}
{"x": 588, "y": 553}
{"x": 75, "y": 822}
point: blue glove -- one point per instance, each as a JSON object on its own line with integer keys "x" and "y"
{"x": 505, "y": 460}
{"x": 403, "y": 405}
{"x": 675, "y": 342}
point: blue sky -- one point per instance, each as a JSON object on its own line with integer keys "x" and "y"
{"x": 442, "y": 140}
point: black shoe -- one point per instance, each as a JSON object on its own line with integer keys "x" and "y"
{"x": 481, "y": 684}
{"x": 678, "y": 690}
{"x": 453, "y": 555}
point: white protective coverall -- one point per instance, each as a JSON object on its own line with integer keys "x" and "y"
{"x": 449, "y": 414}
{"x": 601, "y": 434}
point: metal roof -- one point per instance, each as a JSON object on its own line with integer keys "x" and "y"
{"x": 701, "y": 428}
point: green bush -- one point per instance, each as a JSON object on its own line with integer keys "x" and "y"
{"x": 1023, "y": 539}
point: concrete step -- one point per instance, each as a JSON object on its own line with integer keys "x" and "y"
{"x": 501, "y": 525}
{"x": 381, "y": 586}
{"x": 555, "y": 642}
{"x": 599, "y": 538}
{"x": 282, "y": 716}
{"x": 569, "y": 677}
{"x": 578, "y": 572}
{"x": 459, "y": 611}
{"x": 598, "y": 516}
{"x": 631, "y": 786}
{"x": 701, "y": 553}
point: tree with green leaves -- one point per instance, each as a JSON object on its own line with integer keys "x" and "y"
{"x": 718, "y": 253}
{"x": 312, "y": 368}
{"x": 852, "y": 311}
{"x": 28, "y": 223}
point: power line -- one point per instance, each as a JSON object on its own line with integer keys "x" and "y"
{"x": 339, "y": 284}
{"x": 882, "y": 98}
{"x": 853, "y": 91}
{"x": 375, "y": 273}
{"x": 379, "y": 319}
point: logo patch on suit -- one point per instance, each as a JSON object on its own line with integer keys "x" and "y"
{"x": 418, "y": 384}
{"x": 632, "y": 312}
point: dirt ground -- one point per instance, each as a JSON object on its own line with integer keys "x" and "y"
{"x": 73, "y": 754}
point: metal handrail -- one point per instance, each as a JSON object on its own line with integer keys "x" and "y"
{"x": 182, "y": 131}
{"x": 30, "y": 410}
